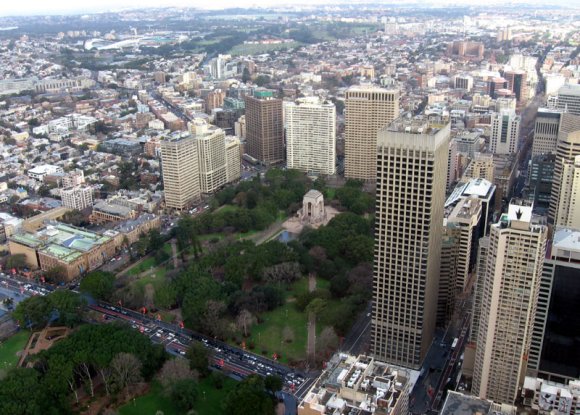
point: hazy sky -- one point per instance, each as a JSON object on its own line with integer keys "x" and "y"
{"x": 34, "y": 7}
{"x": 20, "y": 7}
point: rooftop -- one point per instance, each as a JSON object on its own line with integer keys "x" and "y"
{"x": 459, "y": 404}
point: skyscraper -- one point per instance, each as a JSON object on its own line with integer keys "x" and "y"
{"x": 411, "y": 175}
{"x": 264, "y": 127}
{"x": 211, "y": 153}
{"x": 556, "y": 337}
{"x": 567, "y": 148}
{"x": 569, "y": 99}
{"x": 180, "y": 170}
{"x": 546, "y": 132}
{"x": 311, "y": 136}
{"x": 509, "y": 286}
{"x": 505, "y": 131}
{"x": 367, "y": 110}
{"x": 568, "y": 213}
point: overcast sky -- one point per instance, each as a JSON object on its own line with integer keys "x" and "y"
{"x": 41, "y": 7}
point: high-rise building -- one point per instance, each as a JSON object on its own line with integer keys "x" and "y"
{"x": 568, "y": 213}
{"x": 517, "y": 80}
{"x": 510, "y": 287}
{"x": 569, "y": 99}
{"x": 567, "y": 148}
{"x": 546, "y": 132}
{"x": 233, "y": 159}
{"x": 505, "y": 131}
{"x": 480, "y": 167}
{"x": 556, "y": 337}
{"x": 180, "y": 166}
{"x": 78, "y": 197}
{"x": 211, "y": 153}
{"x": 540, "y": 179}
{"x": 462, "y": 229}
{"x": 264, "y": 127}
{"x": 410, "y": 194}
{"x": 311, "y": 136}
{"x": 367, "y": 110}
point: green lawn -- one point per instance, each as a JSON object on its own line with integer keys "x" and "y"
{"x": 10, "y": 347}
{"x": 143, "y": 266}
{"x": 209, "y": 403}
{"x": 157, "y": 277}
{"x": 330, "y": 193}
{"x": 150, "y": 403}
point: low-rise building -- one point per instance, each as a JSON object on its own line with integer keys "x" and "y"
{"x": 78, "y": 197}
{"x": 459, "y": 404}
{"x": 551, "y": 398}
{"x": 362, "y": 385}
{"x": 75, "y": 250}
{"x": 107, "y": 212}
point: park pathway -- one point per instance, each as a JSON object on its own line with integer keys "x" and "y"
{"x": 311, "y": 342}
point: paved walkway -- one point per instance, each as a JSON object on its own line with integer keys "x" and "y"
{"x": 311, "y": 342}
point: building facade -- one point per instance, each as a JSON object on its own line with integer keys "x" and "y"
{"x": 510, "y": 287}
{"x": 180, "y": 166}
{"x": 264, "y": 128}
{"x": 410, "y": 195}
{"x": 505, "y": 132}
{"x": 367, "y": 110}
{"x": 78, "y": 197}
{"x": 211, "y": 152}
{"x": 546, "y": 132}
{"x": 311, "y": 136}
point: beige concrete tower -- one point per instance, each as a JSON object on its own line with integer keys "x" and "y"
{"x": 546, "y": 132}
{"x": 180, "y": 170}
{"x": 567, "y": 148}
{"x": 510, "y": 287}
{"x": 211, "y": 153}
{"x": 568, "y": 214}
{"x": 367, "y": 109}
{"x": 411, "y": 174}
{"x": 310, "y": 136}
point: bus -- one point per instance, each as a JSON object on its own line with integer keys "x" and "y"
{"x": 454, "y": 344}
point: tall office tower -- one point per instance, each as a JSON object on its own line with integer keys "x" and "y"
{"x": 505, "y": 132}
{"x": 482, "y": 254}
{"x": 452, "y": 163}
{"x": 569, "y": 99}
{"x": 546, "y": 132}
{"x": 211, "y": 153}
{"x": 518, "y": 84}
{"x": 233, "y": 159}
{"x": 556, "y": 337}
{"x": 180, "y": 168}
{"x": 78, "y": 197}
{"x": 310, "y": 136}
{"x": 540, "y": 179}
{"x": 411, "y": 173}
{"x": 568, "y": 213}
{"x": 462, "y": 228}
{"x": 367, "y": 110}
{"x": 463, "y": 81}
{"x": 264, "y": 127}
{"x": 567, "y": 148}
{"x": 510, "y": 288}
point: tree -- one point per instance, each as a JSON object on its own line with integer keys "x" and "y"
{"x": 244, "y": 321}
{"x": 175, "y": 370}
{"x": 17, "y": 261}
{"x": 155, "y": 241}
{"x": 184, "y": 393}
{"x": 68, "y": 305}
{"x": 126, "y": 371}
{"x": 262, "y": 80}
{"x": 99, "y": 284}
{"x": 246, "y": 76}
{"x": 316, "y": 306}
{"x": 199, "y": 357}
{"x": 56, "y": 274}
{"x": 34, "y": 312}
{"x": 327, "y": 340}
{"x": 21, "y": 393}
{"x": 249, "y": 398}
{"x": 149, "y": 296}
{"x": 166, "y": 295}
{"x": 217, "y": 379}
{"x": 273, "y": 384}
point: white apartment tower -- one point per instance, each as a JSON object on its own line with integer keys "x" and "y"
{"x": 367, "y": 110}
{"x": 569, "y": 99}
{"x": 311, "y": 136}
{"x": 505, "y": 131}
{"x": 510, "y": 286}
{"x": 78, "y": 197}
{"x": 180, "y": 166}
{"x": 233, "y": 159}
{"x": 568, "y": 213}
{"x": 410, "y": 195}
{"x": 211, "y": 153}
